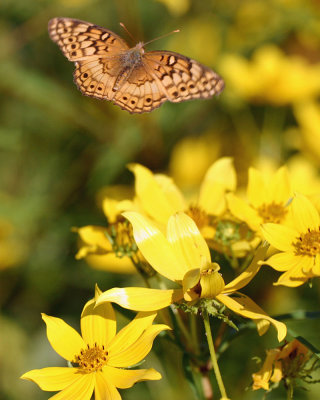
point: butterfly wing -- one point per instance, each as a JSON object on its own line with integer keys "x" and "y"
{"x": 80, "y": 40}
{"x": 95, "y": 51}
{"x": 182, "y": 78}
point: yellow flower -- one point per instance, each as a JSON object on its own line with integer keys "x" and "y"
{"x": 308, "y": 116}
{"x": 268, "y": 195}
{"x": 99, "y": 357}
{"x": 176, "y": 7}
{"x": 285, "y": 362}
{"x": 191, "y": 157}
{"x": 271, "y": 76}
{"x": 159, "y": 197}
{"x": 299, "y": 243}
{"x": 96, "y": 246}
{"x": 184, "y": 258}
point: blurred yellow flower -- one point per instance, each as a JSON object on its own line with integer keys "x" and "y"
{"x": 108, "y": 248}
{"x": 184, "y": 258}
{"x": 176, "y": 7}
{"x": 190, "y": 159}
{"x": 271, "y": 76}
{"x": 308, "y": 117}
{"x": 286, "y": 362}
{"x": 299, "y": 243}
{"x": 100, "y": 356}
{"x": 159, "y": 197}
{"x": 267, "y": 193}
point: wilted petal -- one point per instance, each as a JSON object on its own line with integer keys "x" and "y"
{"x": 141, "y": 299}
{"x": 262, "y": 377}
{"x": 243, "y": 279}
{"x": 126, "y": 378}
{"x": 54, "y": 378}
{"x": 244, "y": 306}
{"x": 64, "y": 340}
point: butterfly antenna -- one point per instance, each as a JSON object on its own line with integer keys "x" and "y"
{"x": 163, "y": 36}
{"x": 125, "y": 28}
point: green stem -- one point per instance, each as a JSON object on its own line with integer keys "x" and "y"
{"x": 213, "y": 354}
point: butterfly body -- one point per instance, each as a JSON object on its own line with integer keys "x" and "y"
{"x": 135, "y": 80}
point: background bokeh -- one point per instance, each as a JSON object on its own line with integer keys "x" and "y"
{"x": 59, "y": 151}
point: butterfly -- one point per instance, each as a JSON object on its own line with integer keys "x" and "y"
{"x": 137, "y": 81}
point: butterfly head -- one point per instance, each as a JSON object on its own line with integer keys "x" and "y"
{"x": 133, "y": 57}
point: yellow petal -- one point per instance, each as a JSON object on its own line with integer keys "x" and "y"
{"x": 98, "y": 324}
{"x": 187, "y": 242}
{"x": 171, "y": 191}
{"x": 131, "y": 332}
{"x": 243, "y": 279}
{"x": 221, "y": 176}
{"x": 283, "y": 261}
{"x": 155, "y": 247}
{"x": 240, "y": 209}
{"x": 256, "y": 191}
{"x": 191, "y": 279}
{"x": 262, "y": 377}
{"x": 105, "y": 387}
{"x": 113, "y": 208}
{"x": 94, "y": 241}
{"x": 211, "y": 282}
{"x": 141, "y": 299}
{"x": 151, "y": 196}
{"x": 111, "y": 263}
{"x": 64, "y": 340}
{"x": 279, "y": 236}
{"x": 126, "y": 378}
{"x": 277, "y": 372}
{"x": 81, "y": 389}
{"x": 52, "y": 379}
{"x": 280, "y": 188}
{"x": 304, "y": 214}
{"x": 298, "y": 274}
{"x": 244, "y": 306}
{"x": 138, "y": 350}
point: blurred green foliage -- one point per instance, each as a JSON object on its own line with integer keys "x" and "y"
{"x": 59, "y": 148}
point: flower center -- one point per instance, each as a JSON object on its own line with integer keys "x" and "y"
{"x": 121, "y": 237}
{"x": 200, "y": 217}
{"x": 272, "y": 212}
{"x": 92, "y": 359}
{"x": 308, "y": 244}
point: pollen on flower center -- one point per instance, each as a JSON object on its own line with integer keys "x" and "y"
{"x": 92, "y": 359}
{"x": 272, "y": 212}
{"x": 200, "y": 217}
{"x": 308, "y": 244}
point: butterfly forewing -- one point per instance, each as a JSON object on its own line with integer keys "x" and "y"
{"x": 136, "y": 81}
{"x": 183, "y": 78}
